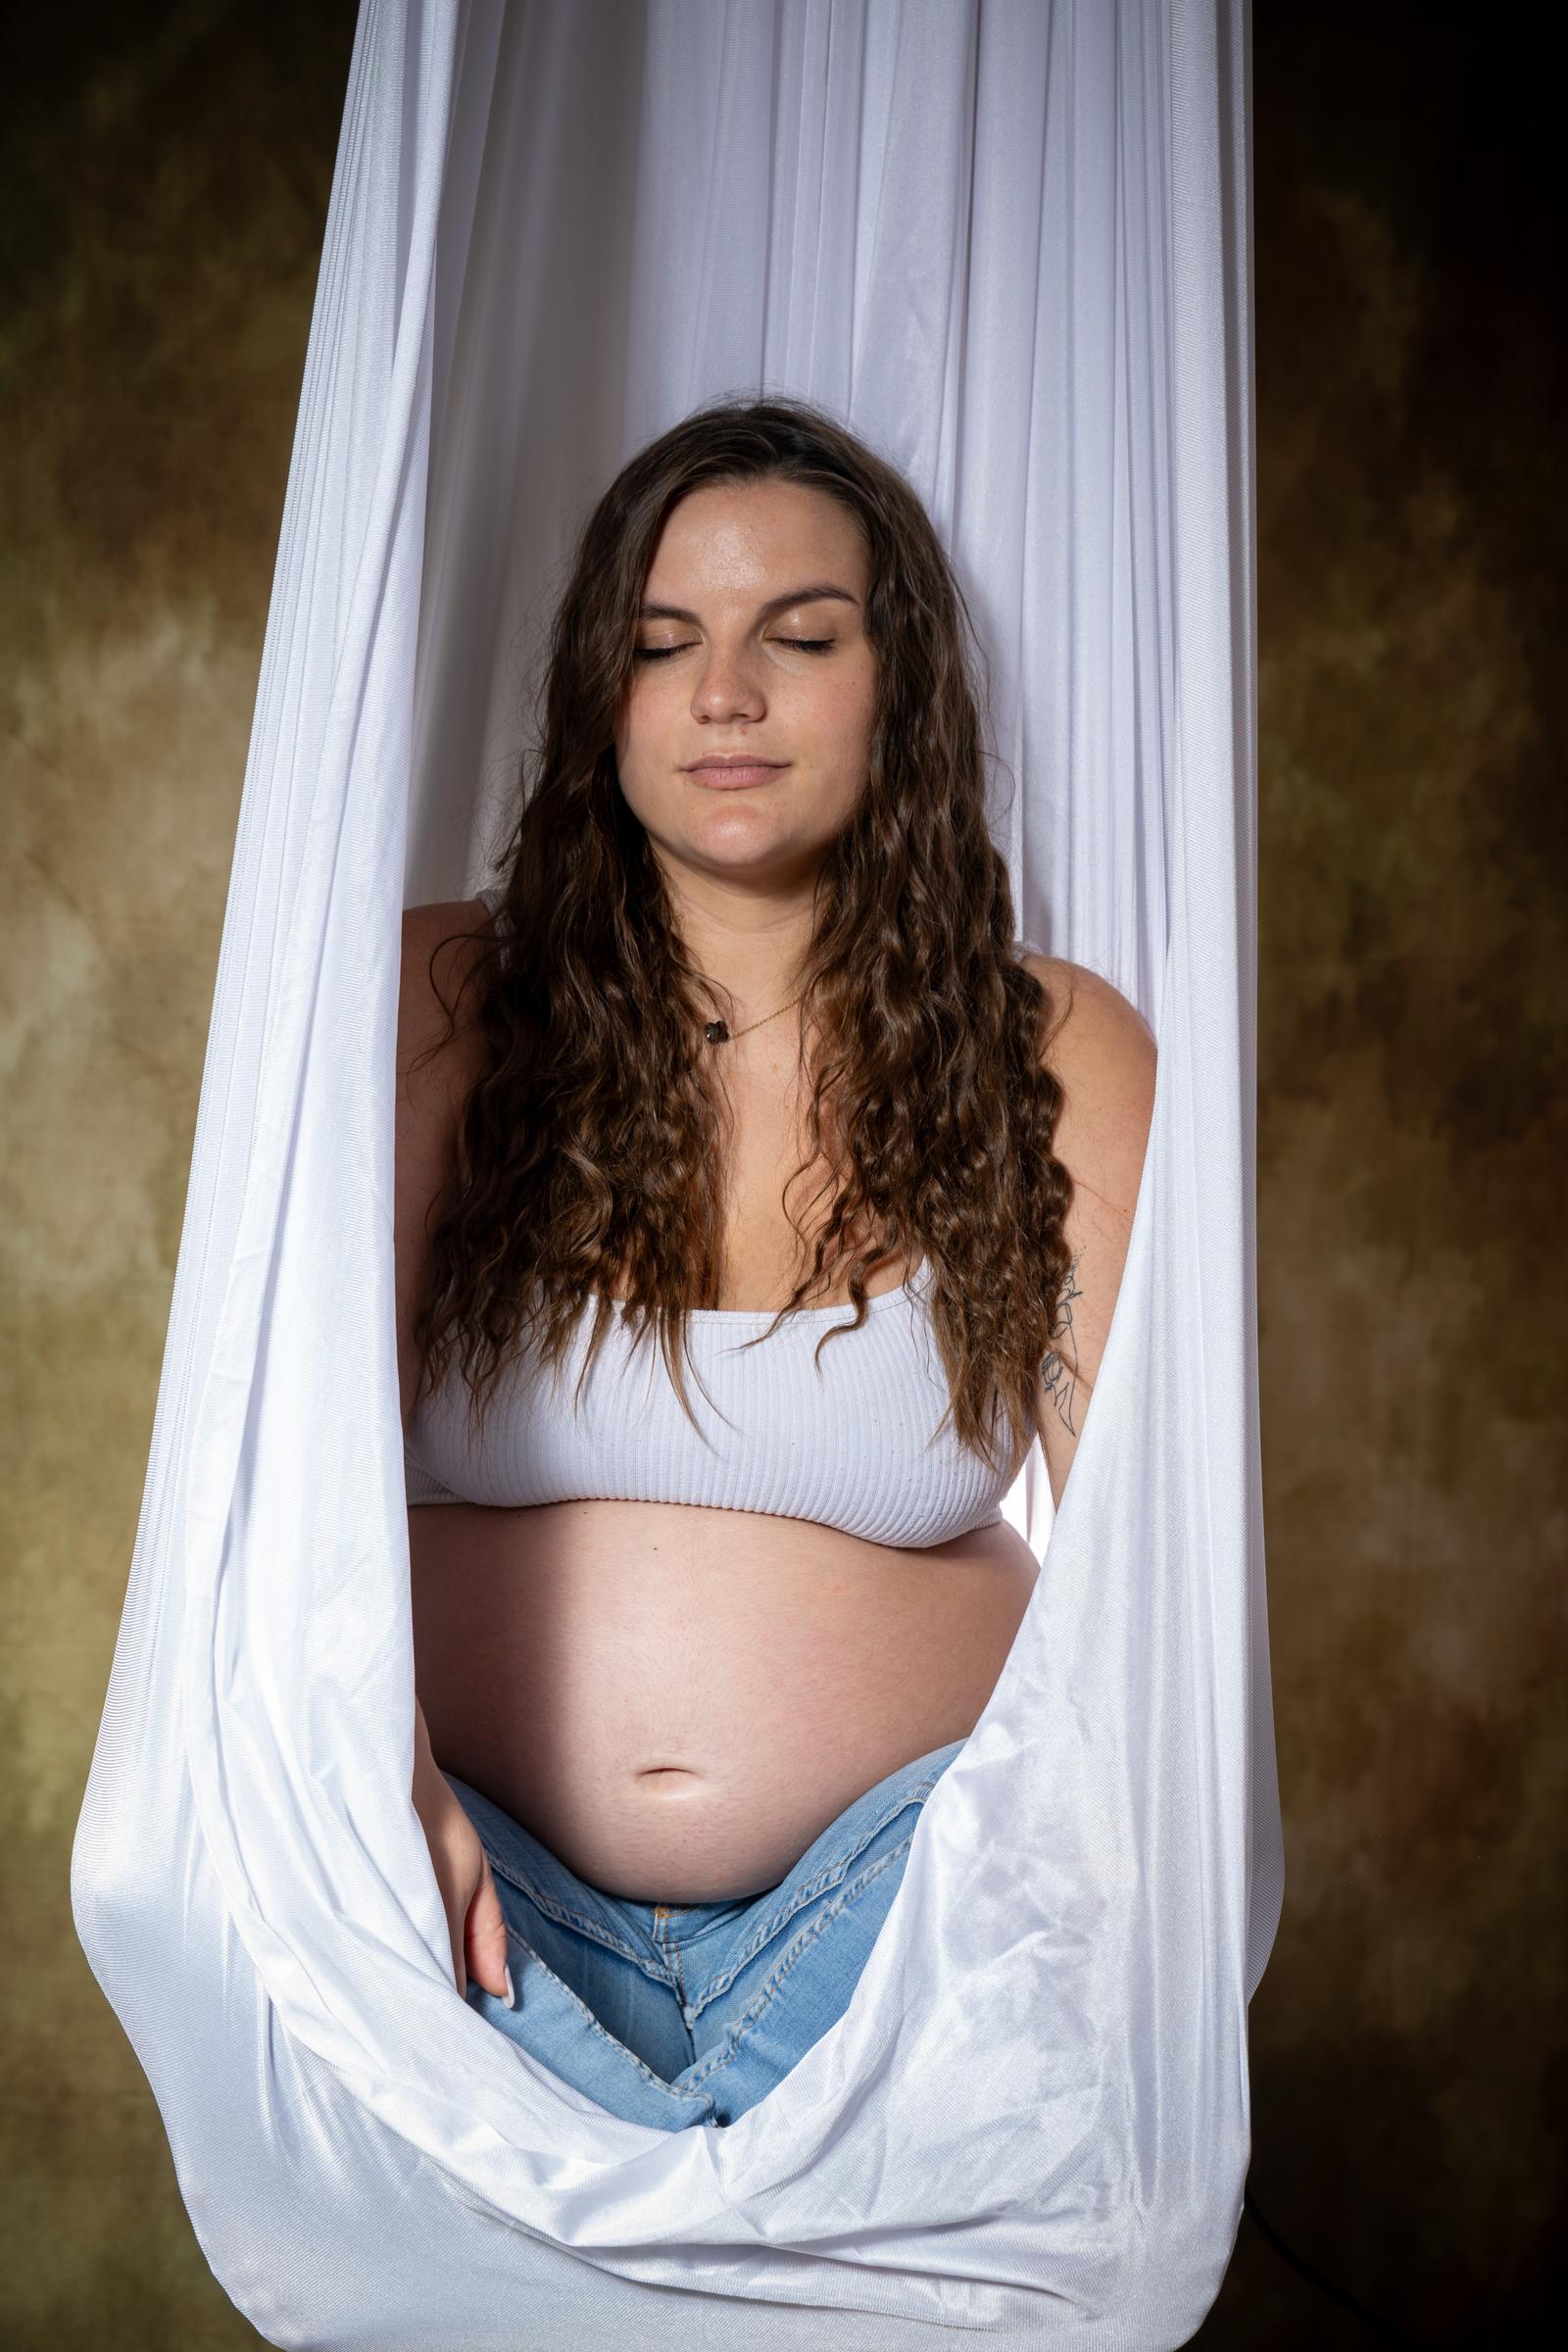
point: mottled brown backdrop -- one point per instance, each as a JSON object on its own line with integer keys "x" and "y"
{"x": 170, "y": 175}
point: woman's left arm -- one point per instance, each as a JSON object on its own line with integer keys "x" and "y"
{"x": 1101, "y": 1051}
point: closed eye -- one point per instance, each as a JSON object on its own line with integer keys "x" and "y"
{"x": 803, "y": 645}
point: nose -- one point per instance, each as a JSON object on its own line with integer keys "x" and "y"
{"x": 727, "y": 687}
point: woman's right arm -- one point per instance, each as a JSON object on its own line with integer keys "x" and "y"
{"x": 430, "y": 1095}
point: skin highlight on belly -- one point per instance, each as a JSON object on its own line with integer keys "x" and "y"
{"x": 677, "y": 1700}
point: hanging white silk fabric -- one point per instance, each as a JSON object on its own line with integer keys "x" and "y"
{"x": 1007, "y": 241}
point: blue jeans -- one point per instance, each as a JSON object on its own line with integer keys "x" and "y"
{"x": 678, "y": 2015}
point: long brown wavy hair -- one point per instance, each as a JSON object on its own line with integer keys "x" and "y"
{"x": 589, "y": 1147}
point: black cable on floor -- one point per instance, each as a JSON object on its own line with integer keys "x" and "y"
{"x": 1324, "y": 2284}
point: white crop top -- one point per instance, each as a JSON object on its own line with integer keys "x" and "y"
{"x": 849, "y": 1441}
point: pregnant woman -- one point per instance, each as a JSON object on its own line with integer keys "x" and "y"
{"x": 757, "y": 1200}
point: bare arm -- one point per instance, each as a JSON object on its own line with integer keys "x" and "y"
{"x": 431, "y": 1090}
{"x": 1102, "y": 1051}
{"x": 430, "y": 1093}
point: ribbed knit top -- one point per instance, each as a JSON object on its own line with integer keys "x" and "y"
{"x": 849, "y": 1441}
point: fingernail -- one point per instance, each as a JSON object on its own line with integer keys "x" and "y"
{"x": 512, "y": 1998}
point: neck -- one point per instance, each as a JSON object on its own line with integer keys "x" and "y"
{"x": 747, "y": 943}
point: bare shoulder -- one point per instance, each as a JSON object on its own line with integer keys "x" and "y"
{"x": 437, "y": 1063}
{"x": 1093, "y": 1024}
{"x": 440, "y": 949}
{"x": 446, "y": 924}
{"x": 1101, "y": 1051}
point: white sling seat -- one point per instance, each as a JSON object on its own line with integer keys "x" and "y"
{"x": 1007, "y": 241}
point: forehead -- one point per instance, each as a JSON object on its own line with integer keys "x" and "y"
{"x": 743, "y": 540}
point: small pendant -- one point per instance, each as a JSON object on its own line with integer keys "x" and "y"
{"x": 715, "y": 1033}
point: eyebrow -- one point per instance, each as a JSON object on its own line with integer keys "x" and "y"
{"x": 814, "y": 593}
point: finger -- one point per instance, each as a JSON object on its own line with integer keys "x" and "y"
{"x": 485, "y": 1940}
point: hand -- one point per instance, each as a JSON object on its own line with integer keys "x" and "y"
{"x": 474, "y": 1922}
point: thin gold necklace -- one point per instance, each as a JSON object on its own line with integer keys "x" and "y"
{"x": 717, "y": 1032}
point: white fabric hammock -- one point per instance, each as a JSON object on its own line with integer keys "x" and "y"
{"x": 1008, "y": 240}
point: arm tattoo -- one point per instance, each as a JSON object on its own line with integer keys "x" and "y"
{"x": 1057, "y": 1375}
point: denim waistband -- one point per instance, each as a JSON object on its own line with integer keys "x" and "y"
{"x": 644, "y": 1932}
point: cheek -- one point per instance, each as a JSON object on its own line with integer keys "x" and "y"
{"x": 854, "y": 719}
{"x": 657, "y": 716}
{"x": 842, "y": 704}
{"x": 640, "y": 726}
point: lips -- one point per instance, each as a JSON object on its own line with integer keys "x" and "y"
{"x": 734, "y": 775}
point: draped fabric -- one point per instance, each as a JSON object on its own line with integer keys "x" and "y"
{"x": 1008, "y": 242}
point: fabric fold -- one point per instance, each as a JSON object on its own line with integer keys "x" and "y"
{"x": 1010, "y": 247}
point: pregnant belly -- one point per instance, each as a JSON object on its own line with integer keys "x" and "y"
{"x": 677, "y": 1700}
